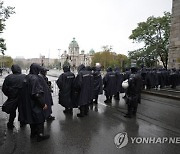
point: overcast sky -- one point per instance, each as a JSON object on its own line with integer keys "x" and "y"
{"x": 44, "y": 26}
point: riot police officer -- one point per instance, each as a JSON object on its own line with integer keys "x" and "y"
{"x": 133, "y": 93}
{"x": 65, "y": 85}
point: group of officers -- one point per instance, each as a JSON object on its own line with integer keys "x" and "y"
{"x": 82, "y": 91}
{"x": 160, "y": 78}
{"x": 31, "y": 93}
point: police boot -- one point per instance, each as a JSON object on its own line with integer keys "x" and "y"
{"x": 42, "y": 137}
{"x": 129, "y": 114}
{"x": 95, "y": 102}
{"x": 106, "y": 101}
{"x": 70, "y": 111}
{"x": 81, "y": 114}
{"x": 116, "y": 97}
{"x": 86, "y": 110}
{"x": 110, "y": 99}
{"x": 10, "y": 125}
{"x": 66, "y": 110}
{"x": 22, "y": 124}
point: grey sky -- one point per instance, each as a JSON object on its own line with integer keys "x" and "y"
{"x": 44, "y": 26}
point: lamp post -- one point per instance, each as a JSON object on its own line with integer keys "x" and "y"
{"x": 73, "y": 59}
{"x": 59, "y": 50}
{"x": 42, "y": 60}
{"x": 2, "y": 59}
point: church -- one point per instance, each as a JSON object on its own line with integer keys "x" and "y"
{"x": 74, "y": 57}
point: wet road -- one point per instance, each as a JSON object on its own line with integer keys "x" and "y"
{"x": 94, "y": 134}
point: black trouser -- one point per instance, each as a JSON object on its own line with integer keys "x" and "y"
{"x": 12, "y": 116}
{"x": 84, "y": 109}
{"x": 96, "y": 99}
{"x": 132, "y": 108}
{"x": 109, "y": 98}
{"x": 37, "y": 129}
{"x": 116, "y": 96}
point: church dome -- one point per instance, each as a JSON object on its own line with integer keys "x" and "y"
{"x": 73, "y": 44}
{"x": 91, "y": 52}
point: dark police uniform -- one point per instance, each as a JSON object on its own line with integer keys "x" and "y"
{"x": 11, "y": 88}
{"x": 97, "y": 84}
{"x": 109, "y": 82}
{"x": 65, "y": 85}
{"x": 33, "y": 103}
{"x": 84, "y": 86}
{"x": 133, "y": 93}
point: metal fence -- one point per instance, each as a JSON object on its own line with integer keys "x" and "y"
{"x": 2, "y": 97}
{"x": 54, "y": 94}
{"x": 54, "y": 88}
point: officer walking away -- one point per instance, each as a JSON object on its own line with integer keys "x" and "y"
{"x": 83, "y": 85}
{"x": 119, "y": 80}
{"x": 97, "y": 84}
{"x": 65, "y": 85}
{"x": 11, "y": 88}
{"x": 33, "y": 106}
{"x": 109, "y": 82}
{"x": 133, "y": 92}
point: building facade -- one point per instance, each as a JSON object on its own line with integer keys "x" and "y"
{"x": 174, "y": 47}
{"x": 74, "y": 57}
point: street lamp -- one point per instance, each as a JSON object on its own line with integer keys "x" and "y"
{"x": 73, "y": 59}
{"x": 59, "y": 58}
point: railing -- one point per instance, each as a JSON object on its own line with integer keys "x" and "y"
{"x": 2, "y": 97}
{"x": 54, "y": 94}
{"x": 54, "y": 88}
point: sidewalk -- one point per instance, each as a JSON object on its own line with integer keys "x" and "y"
{"x": 165, "y": 92}
{"x": 2, "y": 126}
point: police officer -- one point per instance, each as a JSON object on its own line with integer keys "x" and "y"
{"x": 33, "y": 103}
{"x": 47, "y": 93}
{"x": 119, "y": 80}
{"x": 173, "y": 78}
{"x": 109, "y": 82}
{"x": 97, "y": 84}
{"x": 84, "y": 86}
{"x": 133, "y": 92}
{"x": 65, "y": 85}
{"x": 11, "y": 88}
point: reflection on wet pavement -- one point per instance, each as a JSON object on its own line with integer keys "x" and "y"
{"x": 95, "y": 133}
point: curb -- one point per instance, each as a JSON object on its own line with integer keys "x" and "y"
{"x": 161, "y": 94}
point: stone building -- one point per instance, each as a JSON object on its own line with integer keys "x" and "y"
{"x": 74, "y": 57}
{"x": 46, "y": 62}
{"x": 174, "y": 47}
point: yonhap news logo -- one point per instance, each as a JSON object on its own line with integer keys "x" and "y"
{"x": 121, "y": 140}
